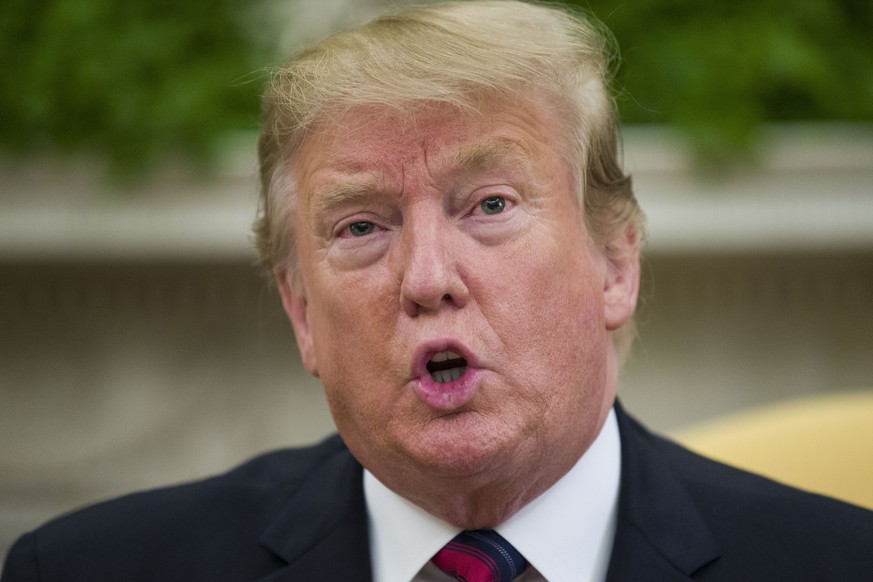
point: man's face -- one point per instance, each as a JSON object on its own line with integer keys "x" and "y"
{"x": 449, "y": 297}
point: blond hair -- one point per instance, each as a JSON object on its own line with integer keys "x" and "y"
{"x": 457, "y": 53}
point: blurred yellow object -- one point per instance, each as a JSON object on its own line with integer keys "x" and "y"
{"x": 821, "y": 443}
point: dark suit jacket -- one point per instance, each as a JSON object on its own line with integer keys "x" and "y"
{"x": 300, "y": 515}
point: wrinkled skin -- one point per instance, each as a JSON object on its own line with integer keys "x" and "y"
{"x": 455, "y": 231}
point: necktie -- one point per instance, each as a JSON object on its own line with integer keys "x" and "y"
{"x": 480, "y": 555}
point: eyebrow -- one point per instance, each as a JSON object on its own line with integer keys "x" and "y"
{"x": 468, "y": 159}
{"x": 346, "y": 192}
{"x": 482, "y": 156}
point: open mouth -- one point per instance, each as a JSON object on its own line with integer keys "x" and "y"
{"x": 445, "y": 367}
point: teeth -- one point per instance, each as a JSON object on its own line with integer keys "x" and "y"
{"x": 450, "y": 375}
{"x": 443, "y": 356}
{"x": 446, "y": 366}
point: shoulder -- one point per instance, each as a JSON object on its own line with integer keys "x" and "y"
{"x": 731, "y": 493}
{"x": 789, "y": 528}
{"x": 190, "y": 523}
{"x": 755, "y": 520}
{"x": 249, "y": 486}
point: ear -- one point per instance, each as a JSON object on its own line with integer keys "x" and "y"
{"x": 294, "y": 302}
{"x": 621, "y": 284}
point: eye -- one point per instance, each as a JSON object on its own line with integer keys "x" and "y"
{"x": 493, "y": 205}
{"x": 362, "y": 228}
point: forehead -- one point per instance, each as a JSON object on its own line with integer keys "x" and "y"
{"x": 437, "y": 136}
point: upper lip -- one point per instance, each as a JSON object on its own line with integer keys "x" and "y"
{"x": 428, "y": 349}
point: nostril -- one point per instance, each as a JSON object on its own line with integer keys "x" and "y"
{"x": 447, "y": 297}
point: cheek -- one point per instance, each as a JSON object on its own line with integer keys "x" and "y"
{"x": 556, "y": 325}
{"x": 355, "y": 311}
{"x": 552, "y": 295}
{"x": 353, "y": 333}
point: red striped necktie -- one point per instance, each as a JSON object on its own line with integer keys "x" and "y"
{"x": 481, "y": 555}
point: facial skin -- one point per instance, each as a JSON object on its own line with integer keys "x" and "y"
{"x": 444, "y": 231}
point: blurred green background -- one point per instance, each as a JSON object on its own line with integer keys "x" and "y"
{"x": 132, "y": 83}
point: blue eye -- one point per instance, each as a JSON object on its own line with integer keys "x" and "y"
{"x": 493, "y": 205}
{"x": 361, "y": 228}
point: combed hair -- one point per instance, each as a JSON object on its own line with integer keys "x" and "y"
{"x": 461, "y": 54}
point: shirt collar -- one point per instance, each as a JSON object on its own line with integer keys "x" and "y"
{"x": 566, "y": 533}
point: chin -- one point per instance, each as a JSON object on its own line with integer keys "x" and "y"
{"x": 462, "y": 445}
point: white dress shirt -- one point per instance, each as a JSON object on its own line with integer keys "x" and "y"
{"x": 565, "y": 534}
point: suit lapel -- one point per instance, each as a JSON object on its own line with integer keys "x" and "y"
{"x": 660, "y": 534}
{"x": 321, "y": 532}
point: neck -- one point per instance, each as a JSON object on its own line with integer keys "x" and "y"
{"x": 482, "y": 507}
{"x": 488, "y": 499}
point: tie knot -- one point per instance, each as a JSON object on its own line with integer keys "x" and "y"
{"x": 481, "y": 555}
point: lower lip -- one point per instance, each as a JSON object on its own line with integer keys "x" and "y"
{"x": 449, "y": 396}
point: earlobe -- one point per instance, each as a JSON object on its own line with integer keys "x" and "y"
{"x": 296, "y": 308}
{"x": 622, "y": 281}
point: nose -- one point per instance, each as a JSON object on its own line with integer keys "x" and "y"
{"x": 431, "y": 269}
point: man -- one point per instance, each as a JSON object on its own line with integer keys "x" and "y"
{"x": 457, "y": 249}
